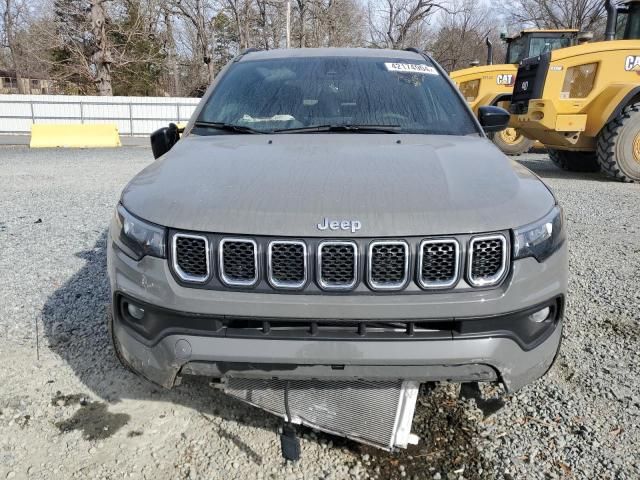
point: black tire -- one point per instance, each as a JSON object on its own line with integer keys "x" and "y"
{"x": 520, "y": 145}
{"x": 574, "y": 161}
{"x": 619, "y": 145}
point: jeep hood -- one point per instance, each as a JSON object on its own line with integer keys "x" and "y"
{"x": 284, "y": 185}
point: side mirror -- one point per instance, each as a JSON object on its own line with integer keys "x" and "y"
{"x": 163, "y": 139}
{"x": 493, "y": 119}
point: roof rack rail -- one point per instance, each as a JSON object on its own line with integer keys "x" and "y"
{"x": 414, "y": 50}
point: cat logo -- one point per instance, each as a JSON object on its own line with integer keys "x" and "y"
{"x": 632, "y": 63}
{"x": 504, "y": 79}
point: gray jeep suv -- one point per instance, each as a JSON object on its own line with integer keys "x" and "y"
{"x": 336, "y": 215}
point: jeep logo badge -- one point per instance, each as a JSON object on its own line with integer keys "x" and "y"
{"x": 353, "y": 225}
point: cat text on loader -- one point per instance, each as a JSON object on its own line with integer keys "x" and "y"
{"x": 493, "y": 84}
{"x": 583, "y": 102}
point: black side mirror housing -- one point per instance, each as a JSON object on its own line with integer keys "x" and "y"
{"x": 163, "y": 139}
{"x": 493, "y": 119}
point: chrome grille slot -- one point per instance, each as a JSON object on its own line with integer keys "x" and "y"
{"x": 238, "y": 261}
{"x": 388, "y": 267}
{"x": 337, "y": 265}
{"x": 438, "y": 263}
{"x": 287, "y": 264}
{"x": 191, "y": 257}
{"x": 487, "y": 260}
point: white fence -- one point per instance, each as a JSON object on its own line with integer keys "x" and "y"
{"x": 133, "y": 115}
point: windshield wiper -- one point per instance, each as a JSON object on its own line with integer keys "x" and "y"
{"x": 343, "y": 128}
{"x": 230, "y": 127}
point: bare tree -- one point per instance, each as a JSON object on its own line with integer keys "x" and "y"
{"x": 102, "y": 56}
{"x": 336, "y": 23}
{"x": 242, "y": 13}
{"x": 172, "y": 52}
{"x": 178, "y": 46}
{"x": 460, "y": 37}
{"x": 580, "y": 14}
{"x": 201, "y": 15}
{"x": 400, "y": 23}
{"x": 302, "y": 7}
{"x": 12, "y": 14}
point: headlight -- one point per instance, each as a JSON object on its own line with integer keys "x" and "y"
{"x": 540, "y": 239}
{"x": 578, "y": 81}
{"x": 136, "y": 237}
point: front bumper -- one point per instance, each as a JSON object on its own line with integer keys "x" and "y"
{"x": 470, "y": 338}
{"x": 544, "y": 123}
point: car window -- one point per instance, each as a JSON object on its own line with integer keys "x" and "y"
{"x": 290, "y": 93}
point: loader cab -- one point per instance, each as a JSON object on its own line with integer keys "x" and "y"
{"x": 531, "y": 43}
{"x": 627, "y": 21}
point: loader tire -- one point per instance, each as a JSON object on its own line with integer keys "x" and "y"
{"x": 574, "y": 161}
{"x": 512, "y": 142}
{"x": 619, "y": 145}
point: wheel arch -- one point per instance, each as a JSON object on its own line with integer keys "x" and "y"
{"x": 608, "y": 105}
{"x": 633, "y": 96}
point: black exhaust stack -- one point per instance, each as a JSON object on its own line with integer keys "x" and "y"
{"x": 612, "y": 20}
{"x": 490, "y": 51}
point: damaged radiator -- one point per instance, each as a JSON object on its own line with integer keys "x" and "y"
{"x": 379, "y": 413}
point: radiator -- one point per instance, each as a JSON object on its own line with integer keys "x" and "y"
{"x": 378, "y": 413}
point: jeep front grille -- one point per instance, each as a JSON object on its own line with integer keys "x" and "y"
{"x": 388, "y": 265}
{"x": 191, "y": 257}
{"x": 439, "y": 261}
{"x": 238, "y": 260}
{"x": 313, "y": 265}
{"x": 337, "y": 265}
{"x": 287, "y": 264}
{"x": 487, "y": 260}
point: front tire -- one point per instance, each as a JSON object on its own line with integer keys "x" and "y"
{"x": 512, "y": 142}
{"x": 619, "y": 145}
{"x": 572, "y": 161}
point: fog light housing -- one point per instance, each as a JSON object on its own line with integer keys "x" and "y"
{"x": 135, "y": 311}
{"x": 540, "y": 316}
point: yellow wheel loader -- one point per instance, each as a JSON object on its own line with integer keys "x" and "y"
{"x": 493, "y": 84}
{"x": 583, "y": 102}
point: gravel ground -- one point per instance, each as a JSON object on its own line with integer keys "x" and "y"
{"x": 68, "y": 410}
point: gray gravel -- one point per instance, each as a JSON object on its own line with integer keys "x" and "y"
{"x": 68, "y": 410}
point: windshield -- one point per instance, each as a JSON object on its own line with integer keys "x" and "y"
{"x": 540, "y": 45}
{"x": 518, "y": 50}
{"x": 629, "y": 24}
{"x": 388, "y": 94}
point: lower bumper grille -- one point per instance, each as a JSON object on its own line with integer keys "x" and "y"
{"x": 379, "y": 413}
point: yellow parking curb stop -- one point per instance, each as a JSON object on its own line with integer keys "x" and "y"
{"x": 74, "y": 136}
